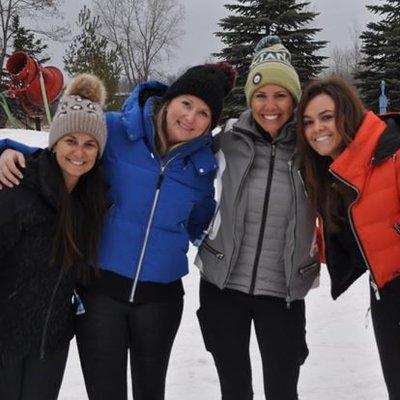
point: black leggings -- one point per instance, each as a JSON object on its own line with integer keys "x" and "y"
{"x": 108, "y": 329}
{"x": 31, "y": 378}
{"x": 225, "y": 318}
{"x": 386, "y": 320}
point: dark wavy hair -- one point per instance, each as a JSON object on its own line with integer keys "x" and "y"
{"x": 349, "y": 113}
{"x": 79, "y": 223}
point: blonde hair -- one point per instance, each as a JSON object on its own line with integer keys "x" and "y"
{"x": 161, "y": 140}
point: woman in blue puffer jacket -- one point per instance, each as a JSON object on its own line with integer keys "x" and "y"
{"x": 160, "y": 168}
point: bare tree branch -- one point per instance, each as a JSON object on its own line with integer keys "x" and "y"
{"x": 346, "y": 61}
{"x": 146, "y": 31}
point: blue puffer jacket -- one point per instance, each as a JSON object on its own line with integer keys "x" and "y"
{"x": 157, "y": 205}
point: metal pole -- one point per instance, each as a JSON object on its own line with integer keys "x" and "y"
{"x": 44, "y": 96}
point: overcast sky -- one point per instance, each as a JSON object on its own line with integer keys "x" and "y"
{"x": 337, "y": 17}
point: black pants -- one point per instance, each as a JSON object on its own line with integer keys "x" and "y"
{"x": 225, "y": 318}
{"x": 30, "y": 378}
{"x": 386, "y": 320}
{"x": 105, "y": 333}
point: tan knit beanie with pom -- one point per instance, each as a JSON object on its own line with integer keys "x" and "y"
{"x": 80, "y": 110}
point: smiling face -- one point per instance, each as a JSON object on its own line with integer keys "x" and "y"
{"x": 320, "y": 126}
{"x": 272, "y": 106}
{"x": 187, "y": 117}
{"x": 76, "y": 154}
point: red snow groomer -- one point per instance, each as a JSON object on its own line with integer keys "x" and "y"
{"x": 35, "y": 86}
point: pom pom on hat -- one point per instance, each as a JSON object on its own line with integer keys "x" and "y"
{"x": 267, "y": 41}
{"x": 89, "y": 87}
{"x": 80, "y": 110}
{"x": 231, "y": 74}
{"x": 209, "y": 82}
{"x": 271, "y": 64}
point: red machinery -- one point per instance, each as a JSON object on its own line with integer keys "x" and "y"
{"x": 35, "y": 86}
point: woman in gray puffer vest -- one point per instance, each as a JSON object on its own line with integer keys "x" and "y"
{"x": 258, "y": 261}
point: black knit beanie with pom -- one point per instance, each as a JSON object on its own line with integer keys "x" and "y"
{"x": 209, "y": 82}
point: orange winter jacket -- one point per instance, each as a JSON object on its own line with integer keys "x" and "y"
{"x": 371, "y": 166}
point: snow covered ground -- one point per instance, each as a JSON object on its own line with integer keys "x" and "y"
{"x": 29, "y": 137}
{"x": 343, "y": 362}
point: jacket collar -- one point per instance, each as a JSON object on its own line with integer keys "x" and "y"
{"x": 247, "y": 125}
{"x": 389, "y": 142}
{"x": 356, "y": 159}
{"x": 137, "y": 110}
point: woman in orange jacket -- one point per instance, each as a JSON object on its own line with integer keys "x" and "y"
{"x": 352, "y": 175}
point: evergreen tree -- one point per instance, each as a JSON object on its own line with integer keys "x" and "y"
{"x": 89, "y": 52}
{"x": 381, "y": 56}
{"x": 24, "y": 40}
{"x": 251, "y": 20}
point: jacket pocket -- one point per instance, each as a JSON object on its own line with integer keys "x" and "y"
{"x": 216, "y": 253}
{"x": 304, "y": 271}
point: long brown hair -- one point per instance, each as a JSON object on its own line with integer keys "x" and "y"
{"x": 77, "y": 233}
{"x": 349, "y": 113}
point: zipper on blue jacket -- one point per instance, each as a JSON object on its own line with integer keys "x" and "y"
{"x": 373, "y": 281}
{"x": 148, "y": 228}
{"x": 263, "y": 218}
{"x": 48, "y": 314}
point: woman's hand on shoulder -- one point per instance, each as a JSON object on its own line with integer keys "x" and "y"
{"x": 10, "y": 162}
